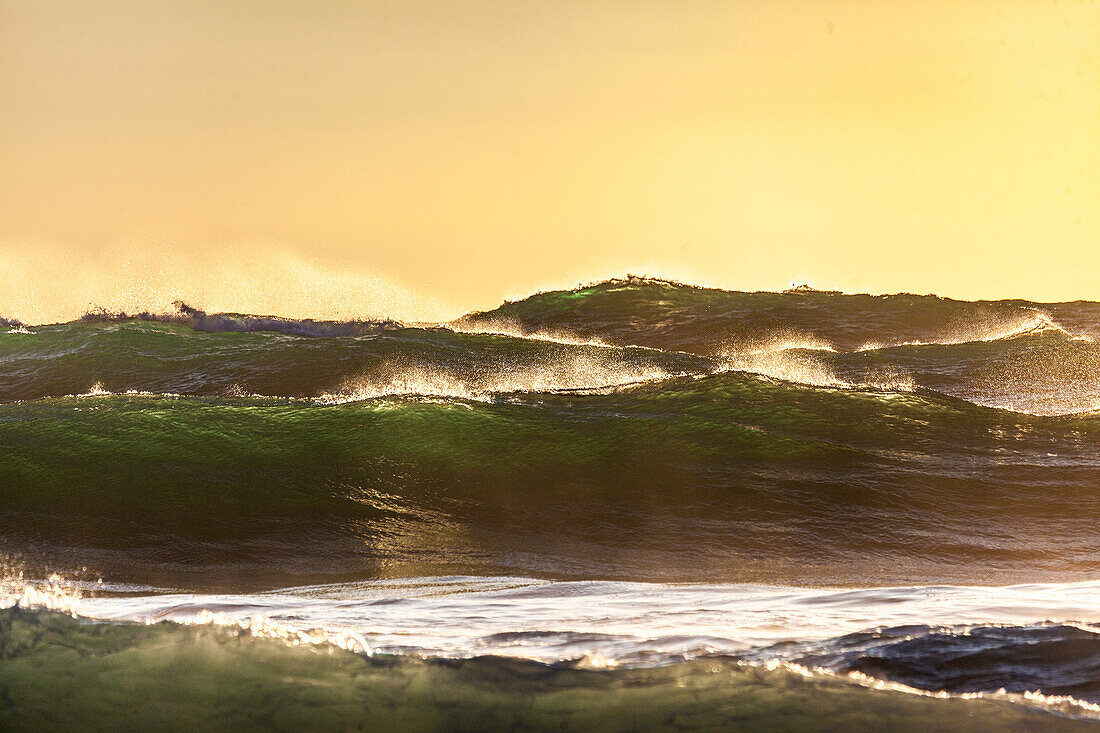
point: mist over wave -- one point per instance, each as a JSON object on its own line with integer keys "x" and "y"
{"x": 59, "y": 285}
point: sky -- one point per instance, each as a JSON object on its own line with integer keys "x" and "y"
{"x": 422, "y": 159}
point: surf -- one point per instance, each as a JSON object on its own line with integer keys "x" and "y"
{"x": 545, "y": 636}
{"x": 746, "y": 492}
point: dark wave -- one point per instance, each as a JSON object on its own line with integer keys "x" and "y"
{"x": 561, "y": 458}
{"x": 728, "y": 476}
{"x": 1047, "y": 372}
{"x": 669, "y": 315}
{"x": 1051, "y": 659}
{"x": 59, "y": 673}
{"x": 168, "y": 357}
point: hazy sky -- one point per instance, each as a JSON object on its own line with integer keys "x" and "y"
{"x": 424, "y": 158}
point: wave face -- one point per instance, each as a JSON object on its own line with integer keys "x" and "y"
{"x": 719, "y": 656}
{"x": 171, "y": 358}
{"x": 629, "y": 432}
{"x": 668, "y": 315}
{"x": 689, "y": 478}
{"x": 212, "y": 677}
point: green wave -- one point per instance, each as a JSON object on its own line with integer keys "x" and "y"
{"x": 725, "y": 476}
{"x": 161, "y": 357}
{"x": 669, "y": 315}
{"x": 61, "y": 674}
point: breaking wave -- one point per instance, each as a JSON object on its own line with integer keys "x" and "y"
{"x": 775, "y": 504}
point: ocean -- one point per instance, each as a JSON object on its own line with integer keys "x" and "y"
{"x": 633, "y": 505}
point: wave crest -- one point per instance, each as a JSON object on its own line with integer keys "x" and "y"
{"x": 1027, "y": 324}
{"x": 199, "y": 320}
{"x": 575, "y": 373}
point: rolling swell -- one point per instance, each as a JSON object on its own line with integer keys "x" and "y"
{"x": 808, "y": 440}
{"x": 1047, "y": 372}
{"x": 167, "y": 357}
{"x": 672, "y": 316}
{"x": 726, "y": 476}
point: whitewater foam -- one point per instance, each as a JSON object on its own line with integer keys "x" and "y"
{"x": 628, "y": 623}
{"x": 514, "y": 330}
{"x": 98, "y": 390}
{"x": 577, "y": 373}
{"x": 1067, "y": 705}
{"x": 55, "y": 593}
{"x": 801, "y": 368}
{"x": 1036, "y": 323}
{"x": 606, "y": 625}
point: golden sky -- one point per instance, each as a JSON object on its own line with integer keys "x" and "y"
{"x": 424, "y": 158}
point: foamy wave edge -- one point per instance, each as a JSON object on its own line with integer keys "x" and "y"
{"x": 59, "y": 596}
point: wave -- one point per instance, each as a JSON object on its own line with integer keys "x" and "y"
{"x": 1044, "y": 373}
{"x": 169, "y": 358}
{"x": 647, "y": 624}
{"x": 674, "y": 316}
{"x": 1037, "y": 322}
{"x": 1050, "y": 659}
{"x": 591, "y": 638}
{"x": 689, "y": 478}
{"x": 793, "y": 364}
{"x": 577, "y": 375}
{"x": 654, "y": 313}
{"x": 515, "y": 330}
{"x": 205, "y": 677}
{"x": 574, "y": 497}
{"x": 201, "y": 321}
